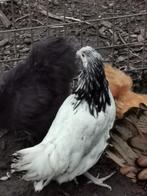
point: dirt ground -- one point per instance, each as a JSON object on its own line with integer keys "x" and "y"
{"x": 15, "y": 186}
{"x": 102, "y": 34}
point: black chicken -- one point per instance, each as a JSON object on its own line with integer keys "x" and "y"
{"x": 32, "y": 92}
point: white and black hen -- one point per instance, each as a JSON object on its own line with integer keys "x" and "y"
{"x": 79, "y": 132}
{"x": 32, "y": 92}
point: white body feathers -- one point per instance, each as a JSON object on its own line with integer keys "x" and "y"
{"x": 73, "y": 144}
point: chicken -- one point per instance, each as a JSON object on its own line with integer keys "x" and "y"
{"x": 78, "y": 134}
{"x": 32, "y": 92}
{"x": 121, "y": 87}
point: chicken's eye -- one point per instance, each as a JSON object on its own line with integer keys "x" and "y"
{"x": 83, "y": 55}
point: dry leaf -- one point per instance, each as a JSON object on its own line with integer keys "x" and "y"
{"x": 121, "y": 59}
{"x": 106, "y": 23}
{"x": 102, "y": 30}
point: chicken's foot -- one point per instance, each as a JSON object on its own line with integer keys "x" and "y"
{"x": 99, "y": 181}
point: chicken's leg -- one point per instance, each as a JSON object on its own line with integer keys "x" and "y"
{"x": 99, "y": 181}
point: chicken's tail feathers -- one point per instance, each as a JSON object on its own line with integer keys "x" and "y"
{"x": 33, "y": 163}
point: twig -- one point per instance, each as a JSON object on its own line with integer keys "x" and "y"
{"x": 6, "y": 22}
{"x": 49, "y": 14}
{"x": 122, "y": 40}
{"x": 38, "y": 21}
{"x": 27, "y": 15}
{"x": 22, "y": 17}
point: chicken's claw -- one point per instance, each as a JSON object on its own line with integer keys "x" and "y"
{"x": 99, "y": 181}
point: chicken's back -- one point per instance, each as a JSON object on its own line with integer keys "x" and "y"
{"x": 119, "y": 82}
{"x": 121, "y": 87}
{"x": 130, "y": 99}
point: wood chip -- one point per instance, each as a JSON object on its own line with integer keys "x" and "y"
{"x": 115, "y": 158}
{"x": 142, "y": 161}
{"x": 127, "y": 169}
{"x": 143, "y": 175}
{"x": 139, "y": 142}
{"x": 122, "y": 147}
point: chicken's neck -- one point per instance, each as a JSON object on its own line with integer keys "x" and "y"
{"x": 92, "y": 87}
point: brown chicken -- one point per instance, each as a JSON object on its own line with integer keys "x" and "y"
{"x": 121, "y": 88}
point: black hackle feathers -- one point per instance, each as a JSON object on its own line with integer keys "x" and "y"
{"x": 92, "y": 86}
